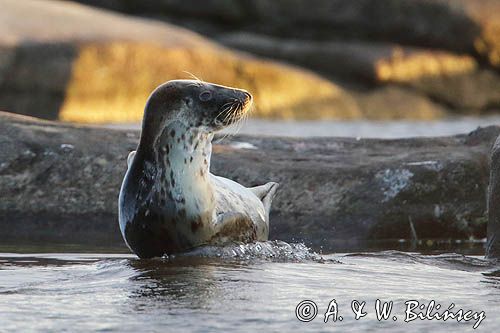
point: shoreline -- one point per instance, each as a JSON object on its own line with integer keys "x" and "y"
{"x": 369, "y": 129}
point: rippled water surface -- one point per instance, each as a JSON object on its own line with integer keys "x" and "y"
{"x": 239, "y": 289}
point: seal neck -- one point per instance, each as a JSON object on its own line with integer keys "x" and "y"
{"x": 177, "y": 141}
{"x": 184, "y": 148}
{"x": 185, "y": 155}
{"x": 180, "y": 157}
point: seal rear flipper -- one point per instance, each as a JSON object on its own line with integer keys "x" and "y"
{"x": 266, "y": 194}
{"x": 262, "y": 191}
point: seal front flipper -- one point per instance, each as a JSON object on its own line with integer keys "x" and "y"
{"x": 233, "y": 227}
{"x": 130, "y": 158}
{"x": 266, "y": 194}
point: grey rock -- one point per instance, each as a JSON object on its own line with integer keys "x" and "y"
{"x": 493, "y": 246}
{"x": 60, "y": 183}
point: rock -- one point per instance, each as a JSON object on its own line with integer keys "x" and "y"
{"x": 389, "y": 102}
{"x": 471, "y": 26}
{"x": 60, "y": 183}
{"x": 477, "y": 92}
{"x": 486, "y": 15}
{"x": 443, "y": 81}
{"x": 493, "y": 246}
{"x": 435, "y": 48}
{"x": 61, "y": 60}
{"x": 454, "y": 80}
{"x": 375, "y": 62}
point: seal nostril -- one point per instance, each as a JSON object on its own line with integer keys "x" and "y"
{"x": 247, "y": 95}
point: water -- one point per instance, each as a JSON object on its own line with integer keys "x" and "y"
{"x": 239, "y": 289}
{"x": 355, "y": 128}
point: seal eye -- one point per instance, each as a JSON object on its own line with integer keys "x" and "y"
{"x": 205, "y": 96}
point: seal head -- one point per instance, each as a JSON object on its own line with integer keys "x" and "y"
{"x": 195, "y": 104}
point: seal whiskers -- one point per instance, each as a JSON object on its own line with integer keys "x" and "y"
{"x": 236, "y": 114}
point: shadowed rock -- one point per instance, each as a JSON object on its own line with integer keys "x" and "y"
{"x": 471, "y": 26}
{"x": 60, "y": 183}
{"x": 435, "y": 56}
{"x": 61, "y": 60}
{"x": 451, "y": 79}
{"x": 375, "y": 62}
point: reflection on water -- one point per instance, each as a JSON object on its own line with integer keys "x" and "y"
{"x": 218, "y": 291}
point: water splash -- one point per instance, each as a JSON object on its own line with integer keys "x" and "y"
{"x": 276, "y": 251}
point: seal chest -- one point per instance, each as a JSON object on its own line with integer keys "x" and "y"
{"x": 169, "y": 201}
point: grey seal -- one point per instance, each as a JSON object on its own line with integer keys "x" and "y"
{"x": 169, "y": 201}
